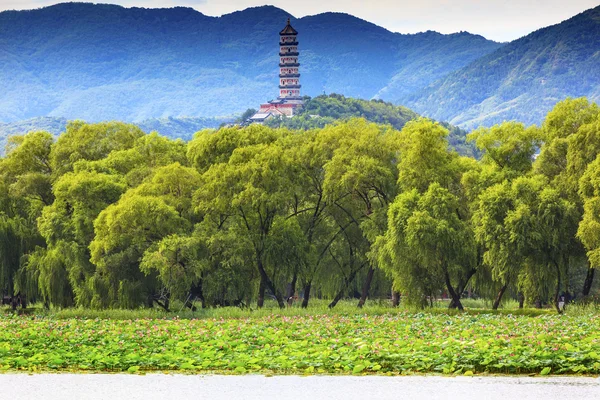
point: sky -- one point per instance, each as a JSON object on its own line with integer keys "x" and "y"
{"x": 500, "y": 20}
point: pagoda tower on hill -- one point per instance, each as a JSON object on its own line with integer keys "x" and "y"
{"x": 289, "y": 101}
{"x": 289, "y": 74}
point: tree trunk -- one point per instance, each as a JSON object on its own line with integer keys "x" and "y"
{"x": 366, "y": 287}
{"x": 499, "y": 296}
{"x": 557, "y": 291}
{"x": 521, "y": 297}
{"x": 395, "y": 298}
{"x": 589, "y": 281}
{"x": 306, "y": 294}
{"x": 167, "y": 301}
{"x": 337, "y": 298}
{"x": 268, "y": 284}
{"x": 461, "y": 287}
{"x": 455, "y": 296}
{"x": 347, "y": 283}
{"x": 196, "y": 293}
{"x": 291, "y": 290}
{"x": 261, "y": 294}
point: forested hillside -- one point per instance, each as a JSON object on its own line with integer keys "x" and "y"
{"x": 108, "y": 216}
{"x": 106, "y": 62}
{"x": 520, "y": 81}
{"x": 328, "y": 109}
{"x": 318, "y": 112}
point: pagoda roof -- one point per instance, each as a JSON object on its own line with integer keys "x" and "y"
{"x": 288, "y": 30}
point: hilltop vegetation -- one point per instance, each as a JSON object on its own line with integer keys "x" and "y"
{"x": 325, "y": 110}
{"x": 107, "y": 216}
{"x": 317, "y": 113}
{"x": 105, "y": 62}
{"x": 522, "y": 80}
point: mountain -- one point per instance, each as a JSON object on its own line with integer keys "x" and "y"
{"x": 102, "y": 62}
{"x": 522, "y": 80}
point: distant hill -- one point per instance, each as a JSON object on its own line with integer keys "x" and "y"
{"x": 183, "y": 128}
{"x": 318, "y": 112}
{"x": 327, "y": 109}
{"x": 521, "y": 80}
{"x": 103, "y": 62}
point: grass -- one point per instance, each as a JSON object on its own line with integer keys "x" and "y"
{"x": 317, "y": 307}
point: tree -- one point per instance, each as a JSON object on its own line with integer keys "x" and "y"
{"x": 25, "y": 187}
{"x": 428, "y": 243}
{"x": 528, "y": 229}
{"x": 507, "y": 153}
{"x": 91, "y": 142}
{"x": 123, "y": 232}
{"x": 254, "y": 189}
{"x": 427, "y": 238}
{"x": 589, "y": 227}
{"x": 361, "y": 180}
{"x": 571, "y": 143}
{"x": 68, "y": 229}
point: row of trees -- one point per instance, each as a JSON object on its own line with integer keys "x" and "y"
{"x": 106, "y": 216}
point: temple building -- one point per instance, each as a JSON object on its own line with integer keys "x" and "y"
{"x": 289, "y": 101}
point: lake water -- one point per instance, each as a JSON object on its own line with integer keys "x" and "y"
{"x": 180, "y": 387}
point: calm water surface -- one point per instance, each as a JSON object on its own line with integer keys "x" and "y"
{"x": 180, "y": 387}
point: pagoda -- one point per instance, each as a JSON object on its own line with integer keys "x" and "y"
{"x": 289, "y": 101}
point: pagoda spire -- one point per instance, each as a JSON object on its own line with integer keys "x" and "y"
{"x": 288, "y": 102}
{"x": 289, "y": 73}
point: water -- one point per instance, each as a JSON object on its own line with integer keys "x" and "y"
{"x": 163, "y": 386}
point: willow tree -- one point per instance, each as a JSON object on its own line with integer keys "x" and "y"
{"x": 361, "y": 181}
{"x": 529, "y": 230}
{"x": 507, "y": 153}
{"x": 428, "y": 244}
{"x": 255, "y": 190}
{"x": 427, "y": 168}
{"x": 139, "y": 161}
{"x": 176, "y": 258}
{"x": 571, "y": 142}
{"x": 25, "y": 187}
{"x": 123, "y": 233}
{"x": 83, "y": 141}
{"x": 501, "y": 255}
{"x": 68, "y": 229}
{"x": 589, "y": 227}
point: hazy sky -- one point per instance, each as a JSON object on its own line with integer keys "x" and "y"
{"x": 501, "y": 20}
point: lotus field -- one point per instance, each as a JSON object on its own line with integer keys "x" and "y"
{"x": 334, "y": 344}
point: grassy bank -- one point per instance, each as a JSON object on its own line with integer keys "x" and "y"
{"x": 390, "y": 343}
{"x": 317, "y": 307}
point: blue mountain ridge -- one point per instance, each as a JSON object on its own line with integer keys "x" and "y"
{"x": 102, "y": 62}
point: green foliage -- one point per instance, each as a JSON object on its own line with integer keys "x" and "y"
{"x": 181, "y": 127}
{"x": 393, "y": 344}
{"x": 123, "y": 232}
{"x": 324, "y": 110}
{"x": 107, "y": 216}
{"x": 91, "y": 142}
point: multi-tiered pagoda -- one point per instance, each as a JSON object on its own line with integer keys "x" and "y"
{"x": 289, "y": 100}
